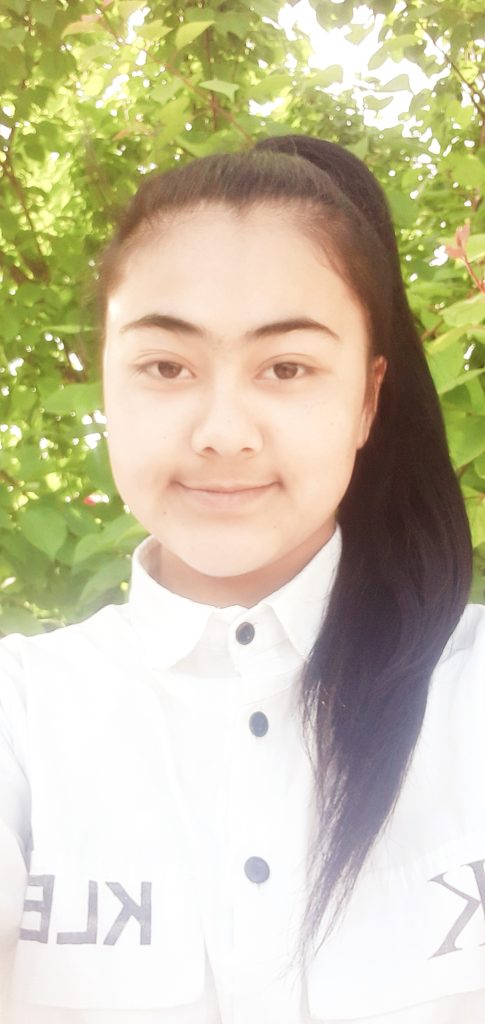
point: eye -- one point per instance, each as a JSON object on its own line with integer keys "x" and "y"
{"x": 165, "y": 369}
{"x": 288, "y": 371}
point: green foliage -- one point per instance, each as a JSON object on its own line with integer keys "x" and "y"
{"x": 93, "y": 98}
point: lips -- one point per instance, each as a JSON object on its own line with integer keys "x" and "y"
{"x": 223, "y": 488}
{"x": 227, "y": 498}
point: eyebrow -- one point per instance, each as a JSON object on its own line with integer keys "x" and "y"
{"x": 174, "y": 323}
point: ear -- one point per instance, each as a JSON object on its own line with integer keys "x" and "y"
{"x": 376, "y": 374}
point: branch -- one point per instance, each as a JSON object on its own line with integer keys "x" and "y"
{"x": 17, "y": 274}
{"x": 477, "y": 104}
{"x": 41, "y": 268}
{"x": 9, "y": 480}
{"x": 216, "y": 108}
{"x": 213, "y": 100}
{"x": 203, "y": 93}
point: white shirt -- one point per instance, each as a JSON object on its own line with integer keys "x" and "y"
{"x": 130, "y": 762}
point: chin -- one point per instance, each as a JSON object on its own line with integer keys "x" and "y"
{"x": 223, "y": 564}
{"x": 224, "y": 569}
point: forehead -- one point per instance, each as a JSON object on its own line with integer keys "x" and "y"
{"x": 227, "y": 263}
{"x": 213, "y": 230}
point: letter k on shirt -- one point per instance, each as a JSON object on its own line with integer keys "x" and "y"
{"x": 156, "y": 803}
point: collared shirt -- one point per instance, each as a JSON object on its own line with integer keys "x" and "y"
{"x": 156, "y": 802}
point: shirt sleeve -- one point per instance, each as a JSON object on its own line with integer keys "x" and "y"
{"x": 14, "y": 784}
{"x": 15, "y": 803}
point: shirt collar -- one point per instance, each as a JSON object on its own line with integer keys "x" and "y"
{"x": 169, "y": 626}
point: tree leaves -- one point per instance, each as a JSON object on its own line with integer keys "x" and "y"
{"x": 468, "y": 312}
{"x": 78, "y": 398}
{"x": 44, "y": 527}
{"x": 189, "y": 32}
{"x": 119, "y": 89}
{"x": 216, "y": 85}
{"x": 465, "y": 436}
{"x": 397, "y": 84}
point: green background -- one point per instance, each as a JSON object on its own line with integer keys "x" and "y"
{"x": 90, "y": 103}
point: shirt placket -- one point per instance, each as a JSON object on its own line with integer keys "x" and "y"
{"x": 266, "y": 822}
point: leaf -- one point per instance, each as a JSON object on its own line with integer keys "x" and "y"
{"x": 230, "y": 21}
{"x": 479, "y": 465}
{"x": 475, "y": 248}
{"x": 397, "y": 84}
{"x": 11, "y": 37}
{"x": 468, "y": 312}
{"x": 326, "y": 77}
{"x": 172, "y": 118}
{"x": 153, "y": 30}
{"x": 94, "y": 85}
{"x": 378, "y": 57}
{"x": 462, "y": 235}
{"x": 44, "y": 11}
{"x": 392, "y": 48}
{"x": 5, "y": 520}
{"x": 78, "y": 398}
{"x": 459, "y": 37}
{"x": 377, "y": 103}
{"x": 103, "y": 52}
{"x": 19, "y": 620}
{"x": 356, "y": 34}
{"x": 44, "y": 527}
{"x": 216, "y": 85}
{"x": 404, "y": 209}
{"x": 128, "y": 7}
{"x": 444, "y": 340}
{"x": 360, "y": 148}
{"x": 476, "y": 515}
{"x": 110, "y": 575}
{"x": 30, "y": 466}
{"x": 466, "y": 436}
{"x": 164, "y": 91}
{"x": 474, "y": 389}
{"x": 19, "y": 6}
{"x": 76, "y": 27}
{"x": 462, "y": 378}
{"x": 454, "y": 253}
{"x": 120, "y": 529}
{"x": 68, "y": 328}
{"x": 446, "y": 366}
{"x": 469, "y": 171}
{"x": 397, "y": 43}
{"x": 271, "y": 87}
{"x": 97, "y": 470}
{"x": 187, "y": 33}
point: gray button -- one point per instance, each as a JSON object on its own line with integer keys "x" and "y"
{"x": 245, "y": 633}
{"x": 258, "y": 723}
{"x": 256, "y": 869}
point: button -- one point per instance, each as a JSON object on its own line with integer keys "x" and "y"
{"x": 258, "y": 723}
{"x": 245, "y": 633}
{"x": 256, "y": 869}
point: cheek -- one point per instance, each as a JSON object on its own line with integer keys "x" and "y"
{"x": 321, "y": 446}
{"x": 327, "y": 428}
{"x": 136, "y": 451}
{"x": 138, "y": 428}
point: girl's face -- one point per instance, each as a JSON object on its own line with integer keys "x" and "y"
{"x": 248, "y": 373}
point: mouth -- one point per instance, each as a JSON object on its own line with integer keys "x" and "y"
{"x": 224, "y": 497}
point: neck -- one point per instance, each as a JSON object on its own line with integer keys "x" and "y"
{"x": 245, "y": 590}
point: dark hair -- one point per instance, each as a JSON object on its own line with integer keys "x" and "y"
{"x": 405, "y": 570}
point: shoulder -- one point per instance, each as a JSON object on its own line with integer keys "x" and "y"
{"x": 68, "y": 648}
{"x": 468, "y": 638}
{"x": 109, "y": 617}
{"x": 458, "y": 681}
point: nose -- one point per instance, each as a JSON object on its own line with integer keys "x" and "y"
{"x": 225, "y": 423}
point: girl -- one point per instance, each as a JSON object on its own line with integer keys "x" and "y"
{"x": 253, "y": 793}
